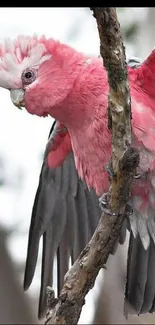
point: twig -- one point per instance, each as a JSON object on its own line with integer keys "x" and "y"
{"x": 81, "y": 276}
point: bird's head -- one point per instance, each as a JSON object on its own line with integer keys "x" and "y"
{"x": 38, "y": 72}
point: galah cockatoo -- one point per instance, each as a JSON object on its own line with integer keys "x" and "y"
{"x": 50, "y": 78}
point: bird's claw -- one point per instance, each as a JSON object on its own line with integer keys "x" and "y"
{"x": 109, "y": 170}
{"x": 103, "y": 200}
{"x": 103, "y": 204}
{"x": 137, "y": 176}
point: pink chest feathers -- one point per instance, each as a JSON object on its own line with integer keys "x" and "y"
{"x": 92, "y": 151}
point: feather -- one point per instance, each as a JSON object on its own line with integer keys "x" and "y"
{"x": 139, "y": 261}
{"x": 66, "y": 214}
{"x": 41, "y": 215}
{"x": 51, "y": 241}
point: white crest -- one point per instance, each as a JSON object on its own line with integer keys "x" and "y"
{"x": 17, "y": 55}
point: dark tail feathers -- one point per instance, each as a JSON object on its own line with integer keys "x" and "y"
{"x": 140, "y": 282}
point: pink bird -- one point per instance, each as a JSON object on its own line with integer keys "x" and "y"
{"x": 50, "y": 78}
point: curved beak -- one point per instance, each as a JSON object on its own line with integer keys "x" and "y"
{"x": 17, "y": 97}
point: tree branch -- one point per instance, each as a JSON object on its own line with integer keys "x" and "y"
{"x": 81, "y": 276}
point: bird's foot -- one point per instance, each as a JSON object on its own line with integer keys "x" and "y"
{"x": 137, "y": 175}
{"x": 103, "y": 201}
{"x": 140, "y": 174}
{"x": 104, "y": 206}
{"x": 109, "y": 170}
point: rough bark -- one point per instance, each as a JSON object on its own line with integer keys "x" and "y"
{"x": 81, "y": 277}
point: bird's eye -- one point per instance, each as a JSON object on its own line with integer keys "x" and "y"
{"x": 28, "y": 76}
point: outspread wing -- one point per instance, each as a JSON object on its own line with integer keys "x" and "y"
{"x": 66, "y": 213}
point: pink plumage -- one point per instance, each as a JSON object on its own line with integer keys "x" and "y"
{"x": 73, "y": 88}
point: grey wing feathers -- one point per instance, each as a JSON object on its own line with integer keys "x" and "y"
{"x": 64, "y": 215}
{"x": 140, "y": 286}
{"x": 51, "y": 240}
{"x": 41, "y": 215}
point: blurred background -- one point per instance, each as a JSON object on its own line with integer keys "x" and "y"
{"x": 22, "y": 142}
